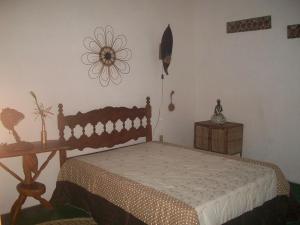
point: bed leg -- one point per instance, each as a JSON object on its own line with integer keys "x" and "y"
{"x": 127, "y": 218}
{"x": 62, "y": 157}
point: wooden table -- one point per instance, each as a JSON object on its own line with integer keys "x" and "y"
{"x": 29, "y": 187}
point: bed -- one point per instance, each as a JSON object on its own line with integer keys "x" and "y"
{"x": 163, "y": 184}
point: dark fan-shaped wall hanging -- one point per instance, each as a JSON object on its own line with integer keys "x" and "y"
{"x": 107, "y": 56}
{"x": 166, "y": 46}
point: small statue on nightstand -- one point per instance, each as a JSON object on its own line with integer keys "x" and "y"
{"x": 218, "y": 117}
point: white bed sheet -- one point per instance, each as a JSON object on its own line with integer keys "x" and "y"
{"x": 218, "y": 188}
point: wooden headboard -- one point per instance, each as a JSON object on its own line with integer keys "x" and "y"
{"x": 103, "y": 116}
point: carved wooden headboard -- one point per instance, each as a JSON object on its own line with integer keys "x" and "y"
{"x": 103, "y": 116}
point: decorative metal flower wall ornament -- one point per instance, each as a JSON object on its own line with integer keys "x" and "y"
{"x": 107, "y": 56}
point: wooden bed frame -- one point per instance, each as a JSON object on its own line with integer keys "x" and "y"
{"x": 273, "y": 211}
{"x": 105, "y": 139}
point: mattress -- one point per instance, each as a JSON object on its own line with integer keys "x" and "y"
{"x": 166, "y": 184}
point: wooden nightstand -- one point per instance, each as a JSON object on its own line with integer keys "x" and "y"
{"x": 224, "y": 138}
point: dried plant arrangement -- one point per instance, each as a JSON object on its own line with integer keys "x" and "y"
{"x": 43, "y": 112}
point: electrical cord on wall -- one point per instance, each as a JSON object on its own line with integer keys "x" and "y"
{"x": 161, "y": 102}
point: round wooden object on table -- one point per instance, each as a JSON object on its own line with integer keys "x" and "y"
{"x": 32, "y": 190}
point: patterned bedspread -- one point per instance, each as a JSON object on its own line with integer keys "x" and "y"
{"x": 171, "y": 185}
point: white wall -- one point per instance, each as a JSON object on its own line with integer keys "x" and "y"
{"x": 256, "y": 75}
{"x": 40, "y": 49}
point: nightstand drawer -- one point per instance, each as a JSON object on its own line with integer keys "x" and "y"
{"x": 202, "y": 137}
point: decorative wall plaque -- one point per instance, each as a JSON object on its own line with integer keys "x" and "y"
{"x": 293, "y": 31}
{"x": 259, "y": 23}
